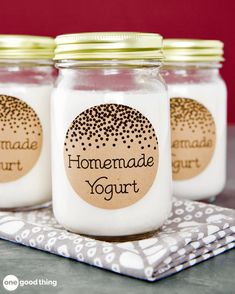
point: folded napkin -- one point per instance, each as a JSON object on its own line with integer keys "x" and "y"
{"x": 194, "y": 232}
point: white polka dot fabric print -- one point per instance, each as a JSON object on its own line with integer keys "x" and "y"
{"x": 194, "y": 232}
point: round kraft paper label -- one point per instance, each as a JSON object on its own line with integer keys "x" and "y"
{"x": 193, "y": 137}
{"x": 20, "y": 138}
{"x": 111, "y": 155}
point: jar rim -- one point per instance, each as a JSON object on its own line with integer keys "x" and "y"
{"x": 71, "y": 63}
{"x": 192, "y": 64}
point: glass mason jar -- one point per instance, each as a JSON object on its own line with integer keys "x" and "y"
{"x": 198, "y": 100}
{"x": 26, "y": 81}
{"x": 111, "y": 167}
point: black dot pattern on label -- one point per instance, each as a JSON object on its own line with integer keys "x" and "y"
{"x": 188, "y": 113}
{"x": 18, "y": 115}
{"x": 111, "y": 125}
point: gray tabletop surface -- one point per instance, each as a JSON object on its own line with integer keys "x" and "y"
{"x": 216, "y": 275}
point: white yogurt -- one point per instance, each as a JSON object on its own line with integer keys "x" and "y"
{"x": 22, "y": 185}
{"x": 76, "y": 211}
{"x": 210, "y": 179}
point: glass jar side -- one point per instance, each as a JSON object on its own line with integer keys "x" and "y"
{"x": 139, "y": 89}
{"x": 198, "y": 98}
{"x": 25, "y": 88}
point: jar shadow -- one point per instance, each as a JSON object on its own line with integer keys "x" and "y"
{"x": 121, "y": 239}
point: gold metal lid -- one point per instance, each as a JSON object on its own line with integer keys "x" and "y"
{"x": 108, "y": 45}
{"x": 190, "y": 50}
{"x": 26, "y": 47}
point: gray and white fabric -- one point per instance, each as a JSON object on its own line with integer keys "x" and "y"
{"x": 194, "y": 232}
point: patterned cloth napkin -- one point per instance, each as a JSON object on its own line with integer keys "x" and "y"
{"x": 194, "y": 232}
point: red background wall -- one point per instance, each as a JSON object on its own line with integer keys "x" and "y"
{"x": 208, "y": 19}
